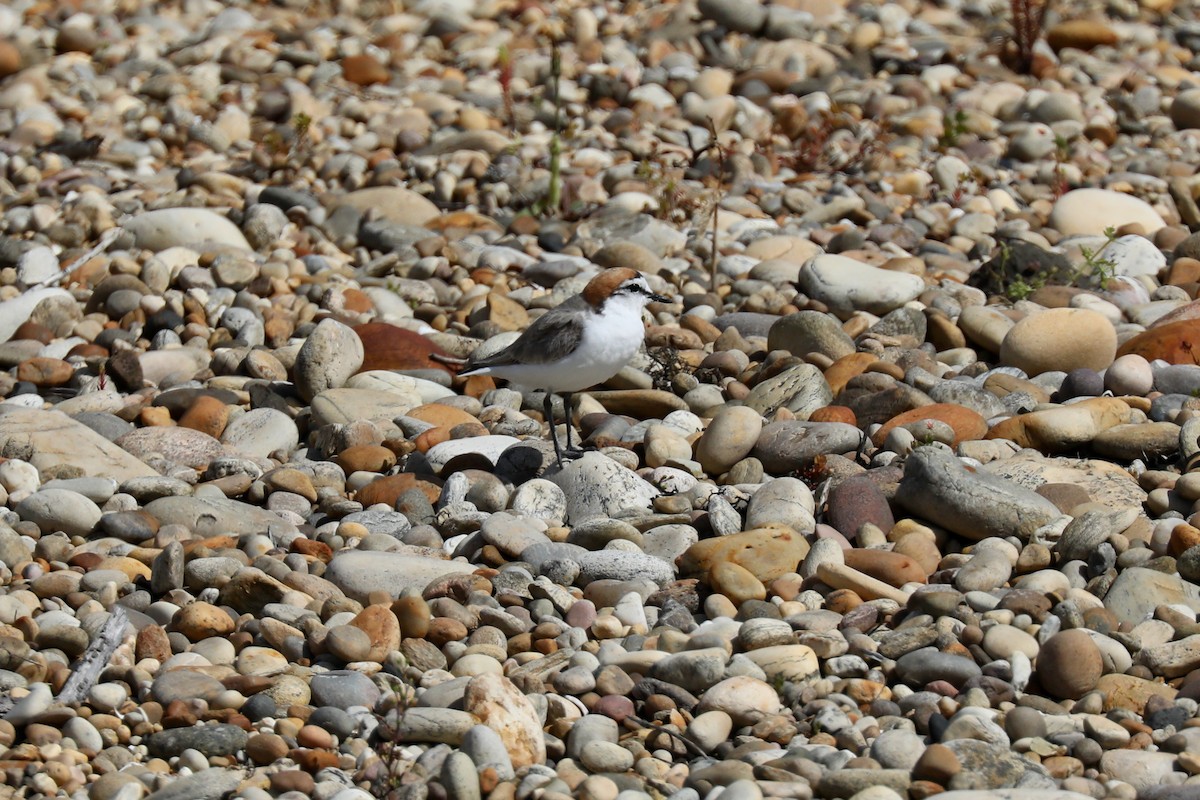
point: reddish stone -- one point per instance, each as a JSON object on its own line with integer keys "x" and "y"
{"x": 35, "y": 331}
{"x": 314, "y": 736}
{"x": 357, "y": 300}
{"x": 311, "y": 547}
{"x": 856, "y": 501}
{"x": 1175, "y": 342}
{"x": 293, "y": 780}
{"x": 383, "y": 629}
{"x": 834, "y": 414}
{"x": 894, "y": 569}
{"x": 314, "y": 760}
{"x": 390, "y": 347}
{"x": 364, "y": 70}
{"x": 387, "y": 489}
{"x": 841, "y": 371}
{"x": 87, "y": 350}
{"x": 1182, "y": 537}
{"x": 616, "y": 706}
{"x": 206, "y": 414}
{"x": 477, "y": 385}
{"x": 967, "y": 424}
{"x": 426, "y": 440}
{"x": 152, "y": 642}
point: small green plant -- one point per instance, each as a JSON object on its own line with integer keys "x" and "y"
{"x": 954, "y": 126}
{"x": 1015, "y": 286}
{"x": 1094, "y": 265}
{"x": 301, "y": 123}
{"x": 1020, "y": 289}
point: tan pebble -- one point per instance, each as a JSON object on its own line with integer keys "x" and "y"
{"x": 787, "y": 587}
{"x": 199, "y": 620}
{"x": 737, "y": 583}
{"x": 366, "y": 458}
{"x": 45, "y": 372}
{"x": 766, "y": 553}
{"x": 1069, "y": 664}
{"x": 412, "y": 614}
{"x": 1060, "y": 339}
{"x": 291, "y": 480}
{"x": 607, "y": 627}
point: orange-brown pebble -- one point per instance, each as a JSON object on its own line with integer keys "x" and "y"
{"x": 363, "y": 70}
{"x": 1182, "y": 537}
{"x": 201, "y": 620}
{"x": 1080, "y": 34}
{"x": 314, "y": 760}
{"x": 206, "y": 414}
{"x": 426, "y": 440}
{"x": 413, "y": 615}
{"x": 922, "y": 549}
{"x": 967, "y": 424}
{"x": 42, "y": 371}
{"x": 441, "y": 414}
{"x": 894, "y": 569}
{"x": 312, "y": 548}
{"x": 366, "y": 458}
{"x": 834, "y": 414}
{"x": 265, "y": 748}
{"x": 391, "y": 347}
{"x": 389, "y": 488}
{"x": 842, "y": 600}
{"x": 445, "y": 629}
{"x": 381, "y": 627}
{"x": 152, "y": 642}
{"x": 1174, "y": 342}
{"x": 292, "y": 781}
{"x": 314, "y": 736}
{"x": 845, "y": 368}
{"x": 10, "y": 59}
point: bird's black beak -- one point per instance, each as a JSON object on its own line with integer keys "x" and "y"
{"x": 658, "y": 298}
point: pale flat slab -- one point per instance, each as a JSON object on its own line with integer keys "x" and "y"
{"x": 49, "y": 438}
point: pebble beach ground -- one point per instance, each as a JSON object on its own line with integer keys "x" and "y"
{"x": 897, "y": 502}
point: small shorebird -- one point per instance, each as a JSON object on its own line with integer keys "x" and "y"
{"x": 581, "y": 342}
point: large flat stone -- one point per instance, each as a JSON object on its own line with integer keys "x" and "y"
{"x": 49, "y": 439}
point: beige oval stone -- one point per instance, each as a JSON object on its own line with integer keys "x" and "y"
{"x": 746, "y": 700}
{"x": 728, "y": 439}
{"x": 1090, "y": 211}
{"x": 1060, "y": 339}
{"x": 737, "y": 583}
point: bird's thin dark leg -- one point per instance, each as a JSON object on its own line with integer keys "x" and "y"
{"x": 548, "y": 407}
{"x": 567, "y": 411}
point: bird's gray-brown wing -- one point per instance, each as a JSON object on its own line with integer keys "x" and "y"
{"x": 550, "y": 338}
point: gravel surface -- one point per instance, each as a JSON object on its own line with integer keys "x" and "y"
{"x": 896, "y": 501}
